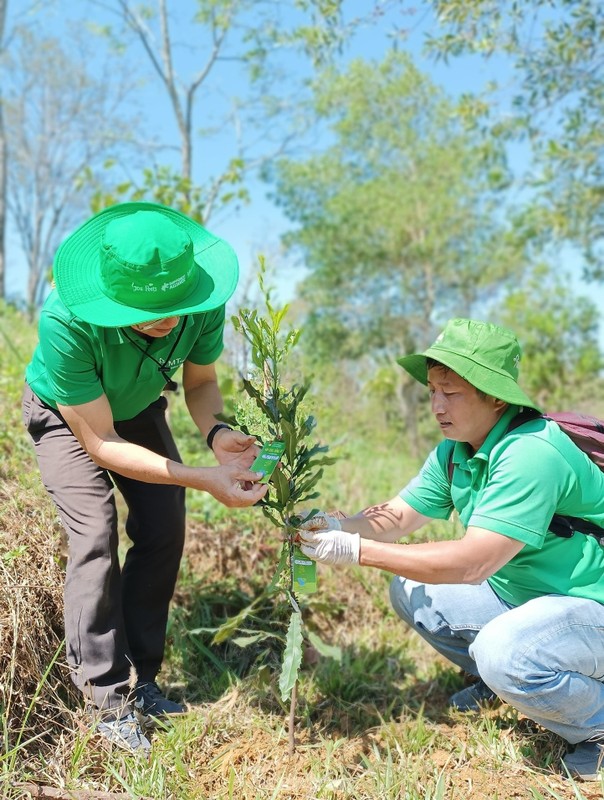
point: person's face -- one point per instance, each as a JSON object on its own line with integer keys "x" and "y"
{"x": 462, "y": 413}
{"x": 157, "y": 328}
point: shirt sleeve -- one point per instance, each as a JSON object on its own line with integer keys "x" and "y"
{"x": 210, "y": 342}
{"x": 70, "y": 362}
{"x": 527, "y": 477}
{"x": 429, "y": 493}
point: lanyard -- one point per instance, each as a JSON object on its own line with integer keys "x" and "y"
{"x": 171, "y": 386}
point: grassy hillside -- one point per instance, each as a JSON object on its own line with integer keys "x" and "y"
{"x": 371, "y": 721}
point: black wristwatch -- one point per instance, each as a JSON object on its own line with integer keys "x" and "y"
{"x": 214, "y": 431}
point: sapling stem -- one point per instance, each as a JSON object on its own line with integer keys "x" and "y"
{"x": 291, "y": 727}
{"x": 279, "y": 415}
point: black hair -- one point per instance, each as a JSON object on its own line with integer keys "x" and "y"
{"x": 431, "y": 362}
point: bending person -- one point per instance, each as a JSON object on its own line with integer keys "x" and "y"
{"x": 140, "y": 291}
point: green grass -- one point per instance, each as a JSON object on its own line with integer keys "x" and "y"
{"x": 371, "y": 723}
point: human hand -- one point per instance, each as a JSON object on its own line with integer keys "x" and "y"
{"x": 235, "y": 448}
{"x": 321, "y": 522}
{"x": 331, "y": 546}
{"x": 233, "y": 486}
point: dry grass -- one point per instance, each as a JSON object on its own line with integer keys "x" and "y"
{"x": 373, "y": 726}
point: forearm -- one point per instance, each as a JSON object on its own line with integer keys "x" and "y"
{"x": 385, "y": 522}
{"x": 204, "y": 402}
{"x": 370, "y": 528}
{"x": 133, "y": 461}
{"x": 92, "y": 424}
{"x": 430, "y": 562}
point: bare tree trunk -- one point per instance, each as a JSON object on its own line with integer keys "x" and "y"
{"x": 3, "y": 167}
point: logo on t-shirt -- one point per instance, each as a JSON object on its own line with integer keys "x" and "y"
{"x": 172, "y": 363}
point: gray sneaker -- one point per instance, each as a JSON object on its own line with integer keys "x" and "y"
{"x": 585, "y": 762}
{"x": 151, "y": 706}
{"x": 472, "y": 698}
{"x": 126, "y": 733}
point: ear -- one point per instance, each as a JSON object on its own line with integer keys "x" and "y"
{"x": 499, "y": 405}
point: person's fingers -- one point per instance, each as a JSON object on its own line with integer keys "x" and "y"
{"x": 243, "y": 440}
{"x": 249, "y": 497}
{"x": 308, "y": 536}
{"x": 308, "y": 550}
{"x": 247, "y": 476}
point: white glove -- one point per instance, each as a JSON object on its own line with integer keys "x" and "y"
{"x": 331, "y": 547}
{"x": 321, "y": 522}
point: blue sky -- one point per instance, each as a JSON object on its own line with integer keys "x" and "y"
{"x": 257, "y": 227}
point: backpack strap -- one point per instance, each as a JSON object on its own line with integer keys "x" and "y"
{"x": 560, "y": 525}
{"x": 566, "y": 526}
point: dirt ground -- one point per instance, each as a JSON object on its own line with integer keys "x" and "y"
{"x": 343, "y": 748}
{"x": 467, "y": 768}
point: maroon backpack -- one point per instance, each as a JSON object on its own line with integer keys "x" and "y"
{"x": 588, "y": 434}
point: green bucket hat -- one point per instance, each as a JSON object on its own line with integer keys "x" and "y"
{"x": 136, "y": 262}
{"x": 483, "y": 354}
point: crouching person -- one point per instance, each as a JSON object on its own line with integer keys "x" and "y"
{"x": 515, "y": 605}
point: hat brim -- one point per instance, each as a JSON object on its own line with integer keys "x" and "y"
{"x": 487, "y": 380}
{"x": 77, "y": 271}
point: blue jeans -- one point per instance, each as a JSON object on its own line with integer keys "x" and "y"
{"x": 545, "y": 657}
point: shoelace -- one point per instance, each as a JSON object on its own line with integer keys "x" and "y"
{"x": 151, "y": 689}
{"x": 127, "y": 727}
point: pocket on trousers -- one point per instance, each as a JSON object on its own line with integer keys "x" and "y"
{"x": 26, "y": 403}
{"x": 37, "y": 416}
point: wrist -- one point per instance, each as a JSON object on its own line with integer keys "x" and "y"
{"x": 363, "y": 551}
{"x": 212, "y": 434}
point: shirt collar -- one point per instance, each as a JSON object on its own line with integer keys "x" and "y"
{"x": 461, "y": 450}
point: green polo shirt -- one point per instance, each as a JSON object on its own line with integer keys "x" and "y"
{"x": 76, "y": 362}
{"x": 513, "y": 485}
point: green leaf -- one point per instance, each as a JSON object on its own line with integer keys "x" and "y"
{"x": 307, "y": 426}
{"x": 246, "y": 641}
{"x": 266, "y": 504}
{"x": 256, "y": 395}
{"x": 305, "y": 486}
{"x": 292, "y": 656}
{"x": 282, "y": 486}
{"x": 327, "y": 650}
{"x": 291, "y": 440}
{"x": 283, "y": 562}
{"x": 232, "y": 624}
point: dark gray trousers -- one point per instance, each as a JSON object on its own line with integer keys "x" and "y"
{"x": 115, "y": 616}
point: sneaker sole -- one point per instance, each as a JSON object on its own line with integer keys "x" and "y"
{"x": 122, "y": 744}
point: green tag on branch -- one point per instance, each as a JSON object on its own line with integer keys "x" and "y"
{"x": 267, "y": 459}
{"x": 304, "y": 573}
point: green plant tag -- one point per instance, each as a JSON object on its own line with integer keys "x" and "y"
{"x": 267, "y": 459}
{"x": 304, "y": 573}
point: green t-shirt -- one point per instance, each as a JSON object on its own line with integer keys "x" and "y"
{"x": 513, "y": 485}
{"x": 76, "y": 362}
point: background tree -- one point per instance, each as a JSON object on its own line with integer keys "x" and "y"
{"x": 241, "y": 43}
{"x": 398, "y": 223}
{"x": 61, "y": 120}
{"x": 558, "y": 330}
{"x": 556, "y": 48}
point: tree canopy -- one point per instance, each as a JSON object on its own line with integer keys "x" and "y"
{"x": 557, "y": 50}
{"x": 397, "y": 218}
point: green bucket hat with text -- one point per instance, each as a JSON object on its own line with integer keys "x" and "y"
{"x": 483, "y": 354}
{"x": 137, "y": 262}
